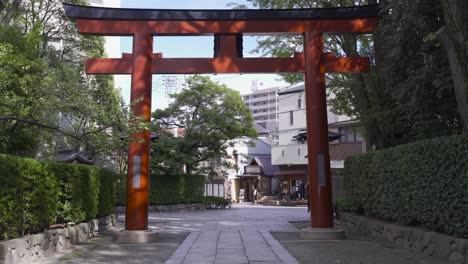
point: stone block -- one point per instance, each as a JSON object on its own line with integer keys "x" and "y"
{"x": 12, "y": 257}
{"x": 322, "y": 234}
{"x": 51, "y": 234}
{"x": 113, "y": 219}
{"x": 84, "y": 228}
{"x": 45, "y": 244}
{"x": 20, "y": 246}
{"x": 3, "y": 250}
{"x": 40, "y": 254}
{"x": 72, "y": 235}
{"x": 94, "y": 228}
{"x": 460, "y": 245}
{"x": 442, "y": 245}
{"x": 51, "y": 249}
{"x": 456, "y": 258}
{"x": 135, "y": 237}
{"x": 61, "y": 244}
{"x": 37, "y": 239}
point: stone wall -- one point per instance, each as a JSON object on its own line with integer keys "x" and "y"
{"x": 32, "y": 248}
{"x": 168, "y": 208}
{"x": 453, "y": 249}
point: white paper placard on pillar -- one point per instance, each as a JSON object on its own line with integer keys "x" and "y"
{"x": 136, "y": 171}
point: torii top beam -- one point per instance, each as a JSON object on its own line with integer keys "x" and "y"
{"x": 95, "y": 20}
{"x": 124, "y": 21}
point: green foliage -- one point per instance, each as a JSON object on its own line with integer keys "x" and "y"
{"x": 193, "y": 188}
{"x": 213, "y": 202}
{"x": 46, "y": 101}
{"x": 35, "y": 194}
{"x": 28, "y": 194}
{"x": 23, "y": 79}
{"x": 121, "y": 190}
{"x": 107, "y": 186}
{"x": 415, "y": 70}
{"x": 210, "y": 114}
{"x": 423, "y": 183}
{"x": 408, "y": 94}
{"x": 176, "y": 189}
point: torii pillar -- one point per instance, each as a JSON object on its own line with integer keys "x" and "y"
{"x": 136, "y": 213}
{"x": 320, "y": 196}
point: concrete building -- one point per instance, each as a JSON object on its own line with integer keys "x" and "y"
{"x": 263, "y": 103}
{"x": 253, "y": 172}
{"x": 290, "y": 154}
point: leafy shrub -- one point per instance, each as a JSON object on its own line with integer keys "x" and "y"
{"x": 422, "y": 183}
{"x": 121, "y": 190}
{"x": 35, "y": 194}
{"x": 214, "y": 202}
{"x": 27, "y": 196}
{"x": 106, "y": 192}
{"x": 175, "y": 189}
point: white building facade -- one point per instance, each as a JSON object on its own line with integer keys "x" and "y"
{"x": 290, "y": 154}
{"x": 263, "y": 103}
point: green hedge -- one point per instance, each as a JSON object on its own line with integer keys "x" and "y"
{"x": 176, "y": 189}
{"x": 35, "y": 194}
{"x": 168, "y": 189}
{"x": 423, "y": 183}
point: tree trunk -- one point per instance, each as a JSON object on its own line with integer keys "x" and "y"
{"x": 360, "y": 89}
{"x": 453, "y": 37}
{"x": 9, "y": 12}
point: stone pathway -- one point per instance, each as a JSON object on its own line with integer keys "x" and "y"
{"x": 242, "y": 234}
{"x": 239, "y": 235}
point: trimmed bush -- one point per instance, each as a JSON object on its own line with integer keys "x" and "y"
{"x": 35, "y": 194}
{"x": 121, "y": 190}
{"x": 28, "y": 195}
{"x": 167, "y": 189}
{"x": 106, "y": 192}
{"x": 213, "y": 202}
{"x": 423, "y": 183}
{"x": 175, "y": 189}
{"x": 194, "y": 186}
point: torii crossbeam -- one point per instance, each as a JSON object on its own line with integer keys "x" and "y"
{"x": 226, "y": 26}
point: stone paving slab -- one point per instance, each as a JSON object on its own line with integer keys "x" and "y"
{"x": 103, "y": 250}
{"x": 348, "y": 251}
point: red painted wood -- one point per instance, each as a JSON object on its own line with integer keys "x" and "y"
{"x": 136, "y": 214}
{"x": 317, "y": 131}
{"x": 125, "y": 27}
{"x": 224, "y": 65}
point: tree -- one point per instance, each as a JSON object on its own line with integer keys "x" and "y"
{"x": 454, "y": 37}
{"x": 406, "y": 95}
{"x": 48, "y": 103}
{"x": 209, "y": 114}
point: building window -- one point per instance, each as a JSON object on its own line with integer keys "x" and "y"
{"x": 349, "y": 135}
{"x": 299, "y": 103}
{"x": 282, "y": 152}
{"x": 291, "y": 117}
{"x": 299, "y": 152}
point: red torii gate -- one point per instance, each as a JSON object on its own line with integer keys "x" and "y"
{"x": 226, "y": 25}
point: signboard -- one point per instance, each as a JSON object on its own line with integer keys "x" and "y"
{"x": 253, "y": 169}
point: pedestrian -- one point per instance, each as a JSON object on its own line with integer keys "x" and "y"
{"x": 307, "y": 196}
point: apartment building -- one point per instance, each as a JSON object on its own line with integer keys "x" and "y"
{"x": 263, "y": 103}
{"x": 290, "y": 154}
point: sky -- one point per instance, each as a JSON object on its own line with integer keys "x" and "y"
{"x": 190, "y": 47}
